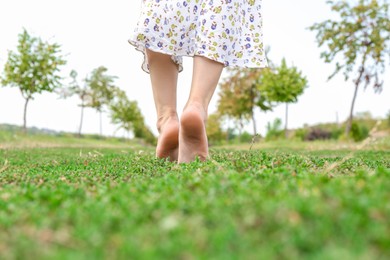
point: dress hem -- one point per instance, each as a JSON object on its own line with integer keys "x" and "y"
{"x": 176, "y": 58}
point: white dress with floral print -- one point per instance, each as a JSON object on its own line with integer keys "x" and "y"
{"x": 227, "y": 31}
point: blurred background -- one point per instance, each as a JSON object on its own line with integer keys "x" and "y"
{"x": 93, "y": 35}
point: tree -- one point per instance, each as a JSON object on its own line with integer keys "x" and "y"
{"x": 102, "y": 89}
{"x": 360, "y": 40}
{"x": 83, "y": 92}
{"x": 214, "y": 131}
{"x": 239, "y": 96}
{"x": 283, "y": 84}
{"x": 128, "y": 116}
{"x": 33, "y": 68}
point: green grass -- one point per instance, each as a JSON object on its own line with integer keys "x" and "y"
{"x": 270, "y": 202}
{"x": 18, "y": 139}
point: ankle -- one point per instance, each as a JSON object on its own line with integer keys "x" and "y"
{"x": 202, "y": 108}
{"x": 164, "y": 118}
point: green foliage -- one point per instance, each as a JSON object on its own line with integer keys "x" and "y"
{"x": 359, "y": 132}
{"x": 274, "y": 130}
{"x": 246, "y": 137}
{"x": 90, "y": 203}
{"x": 358, "y": 43}
{"x": 143, "y": 132}
{"x": 102, "y": 88}
{"x": 246, "y": 89}
{"x": 97, "y": 92}
{"x": 33, "y": 68}
{"x": 214, "y": 130}
{"x": 318, "y": 132}
{"x": 128, "y": 116}
{"x": 282, "y": 84}
{"x": 301, "y": 133}
{"x": 361, "y": 37}
{"x": 238, "y": 95}
{"x": 83, "y": 92}
{"x": 336, "y": 132}
{"x": 231, "y": 133}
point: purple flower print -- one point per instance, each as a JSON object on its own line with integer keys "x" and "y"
{"x": 225, "y": 30}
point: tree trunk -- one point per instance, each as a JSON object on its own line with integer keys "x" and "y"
{"x": 254, "y": 124}
{"x": 357, "y": 83}
{"x": 350, "y": 118}
{"x": 25, "y": 115}
{"x": 81, "y": 119}
{"x": 286, "y": 124}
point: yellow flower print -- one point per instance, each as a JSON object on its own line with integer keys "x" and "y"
{"x": 218, "y": 9}
{"x": 141, "y": 37}
{"x": 228, "y": 31}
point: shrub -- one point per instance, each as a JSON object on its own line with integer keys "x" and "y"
{"x": 359, "y": 132}
{"x": 318, "y": 134}
{"x": 274, "y": 130}
{"x": 336, "y": 132}
{"x": 301, "y": 133}
{"x": 246, "y": 137}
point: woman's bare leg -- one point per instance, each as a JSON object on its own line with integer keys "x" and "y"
{"x": 163, "y": 75}
{"x": 192, "y": 137}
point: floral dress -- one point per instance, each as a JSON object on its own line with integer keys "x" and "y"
{"x": 227, "y": 31}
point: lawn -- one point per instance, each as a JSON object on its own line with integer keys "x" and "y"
{"x": 276, "y": 200}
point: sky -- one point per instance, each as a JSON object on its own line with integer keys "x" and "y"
{"x": 94, "y": 33}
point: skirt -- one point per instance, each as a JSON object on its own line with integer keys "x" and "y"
{"x": 226, "y": 31}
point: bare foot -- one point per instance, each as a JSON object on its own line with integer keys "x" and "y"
{"x": 192, "y": 137}
{"x": 168, "y": 141}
